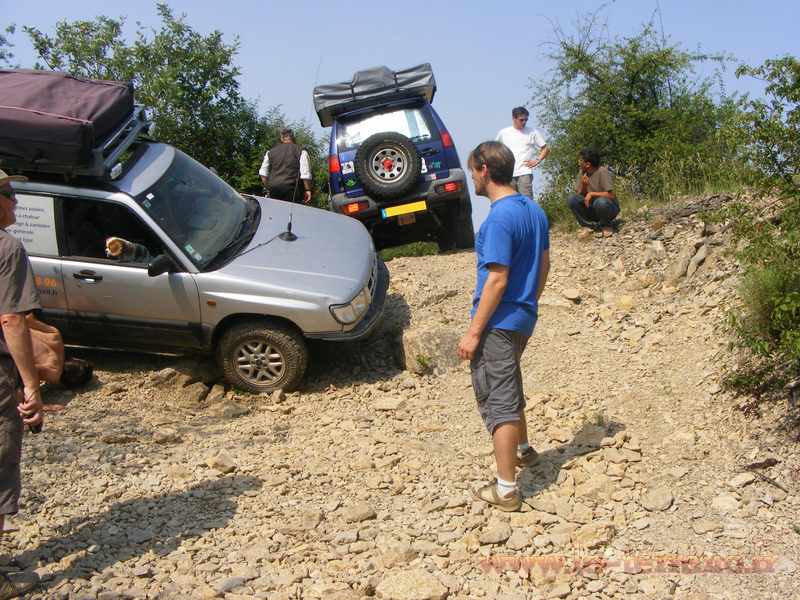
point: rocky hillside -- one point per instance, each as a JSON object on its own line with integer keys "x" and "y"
{"x": 151, "y": 485}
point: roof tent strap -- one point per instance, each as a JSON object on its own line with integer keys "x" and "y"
{"x": 396, "y": 85}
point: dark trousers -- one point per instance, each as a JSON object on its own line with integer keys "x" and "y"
{"x": 601, "y": 212}
{"x": 289, "y": 193}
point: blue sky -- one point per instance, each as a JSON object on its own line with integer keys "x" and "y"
{"x": 483, "y": 54}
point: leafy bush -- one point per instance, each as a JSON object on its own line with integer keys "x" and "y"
{"x": 767, "y": 327}
{"x": 639, "y": 103}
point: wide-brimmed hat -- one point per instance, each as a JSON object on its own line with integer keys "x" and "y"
{"x": 6, "y": 178}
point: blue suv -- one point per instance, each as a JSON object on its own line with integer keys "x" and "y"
{"x": 392, "y": 163}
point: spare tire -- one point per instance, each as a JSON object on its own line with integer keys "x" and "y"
{"x": 388, "y": 165}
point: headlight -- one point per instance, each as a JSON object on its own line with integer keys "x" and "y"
{"x": 349, "y": 313}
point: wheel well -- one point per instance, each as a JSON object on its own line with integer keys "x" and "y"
{"x": 233, "y": 320}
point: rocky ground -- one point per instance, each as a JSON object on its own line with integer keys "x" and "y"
{"x": 150, "y": 485}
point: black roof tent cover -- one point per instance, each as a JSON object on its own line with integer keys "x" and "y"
{"x": 54, "y": 122}
{"x": 370, "y": 86}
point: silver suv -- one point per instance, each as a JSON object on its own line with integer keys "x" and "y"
{"x": 246, "y": 277}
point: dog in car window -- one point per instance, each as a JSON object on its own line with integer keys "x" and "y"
{"x": 125, "y": 251}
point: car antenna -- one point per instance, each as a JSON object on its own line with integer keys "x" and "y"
{"x": 288, "y": 236}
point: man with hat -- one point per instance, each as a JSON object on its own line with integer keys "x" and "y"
{"x": 20, "y": 396}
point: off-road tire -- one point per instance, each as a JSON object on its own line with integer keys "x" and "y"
{"x": 259, "y": 356}
{"x": 377, "y": 181}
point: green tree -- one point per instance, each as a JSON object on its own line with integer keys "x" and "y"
{"x": 6, "y": 55}
{"x": 188, "y": 81}
{"x": 640, "y": 104}
{"x": 767, "y": 326}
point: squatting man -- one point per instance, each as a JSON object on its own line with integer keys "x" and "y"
{"x": 513, "y": 261}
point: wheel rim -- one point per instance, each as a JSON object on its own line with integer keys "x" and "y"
{"x": 259, "y": 363}
{"x": 389, "y": 164}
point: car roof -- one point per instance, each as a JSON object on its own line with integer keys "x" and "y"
{"x": 148, "y": 163}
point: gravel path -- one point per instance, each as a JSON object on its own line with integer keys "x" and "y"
{"x": 149, "y": 485}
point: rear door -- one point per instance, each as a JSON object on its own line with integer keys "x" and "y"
{"x": 414, "y": 122}
{"x": 115, "y": 303}
{"x": 36, "y": 229}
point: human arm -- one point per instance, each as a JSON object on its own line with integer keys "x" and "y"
{"x": 18, "y": 341}
{"x": 305, "y": 175}
{"x": 543, "y": 152}
{"x": 544, "y": 271}
{"x": 491, "y": 295}
{"x": 605, "y": 183}
{"x": 264, "y": 170}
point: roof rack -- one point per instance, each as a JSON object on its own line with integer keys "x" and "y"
{"x": 103, "y": 157}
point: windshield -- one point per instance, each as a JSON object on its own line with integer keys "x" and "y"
{"x": 408, "y": 122}
{"x": 195, "y": 208}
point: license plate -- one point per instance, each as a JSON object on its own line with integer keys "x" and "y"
{"x": 404, "y": 209}
{"x": 406, "y": 219}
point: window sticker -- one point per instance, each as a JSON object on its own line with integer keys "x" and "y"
{"x": 146, "y": 204}
{"x": 189, "y": 248}
{"x": 348, "y": 167}
{"x": 197, "y": 256}
{"x": 150, "y": 196}
{"x": 36, "y": 225}
{"x": 350, "y": 182}
{"x": 424, "y": 166}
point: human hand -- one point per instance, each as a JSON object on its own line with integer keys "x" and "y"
{"x": 307, "y": 197}
{"x": 530, "y": 163}
{"x": 30, "y": 407}
{"x": 584, "y": 179}
{"x": 588, "y": 200}
{"x": 468, "y": 346}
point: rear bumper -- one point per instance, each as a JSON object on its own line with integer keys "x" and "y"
{"x": 436, "y": 201}
{"x": 371, "y": 320}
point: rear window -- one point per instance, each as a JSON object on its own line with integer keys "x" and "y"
{"x": 410, "y": 122}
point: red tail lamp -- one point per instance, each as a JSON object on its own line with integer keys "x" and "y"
{"x": 354, "y": 207}
{"x": 333, "y": 164}
{"x": 449, "y": 187}
{"x": 447, "y": 141}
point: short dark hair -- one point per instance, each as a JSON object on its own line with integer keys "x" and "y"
{"x": 497, "y": 157}
{"x": 591, "y": 156}
{"x": 519, "y": 111}
{"x": 286, "y": 132}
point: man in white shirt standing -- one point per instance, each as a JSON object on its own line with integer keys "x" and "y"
{"x": 524, "y": 142}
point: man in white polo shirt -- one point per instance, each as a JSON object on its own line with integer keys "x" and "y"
{"x": 523, "y": 141}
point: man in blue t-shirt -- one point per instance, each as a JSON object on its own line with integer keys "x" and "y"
{"x": 513, "y": 255}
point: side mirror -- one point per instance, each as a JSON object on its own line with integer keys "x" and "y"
{"x": 159, "y": 265}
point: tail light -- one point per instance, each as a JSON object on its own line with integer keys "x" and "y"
{"x": 449, "y": 187}
{"x": 354, "y": 207}
{"x": 447, "y": 141}
{"x": 333, "y": 164}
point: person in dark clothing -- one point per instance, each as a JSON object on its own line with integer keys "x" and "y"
{"x": 594, "y": 204}
{"x": 285, "y": 171}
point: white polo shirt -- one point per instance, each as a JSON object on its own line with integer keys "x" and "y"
{"x": 525, "y": 145}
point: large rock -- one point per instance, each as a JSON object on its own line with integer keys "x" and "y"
{"x": 411, "y": 585}
{"x": 657, "y": 499}
{"x": 194, "y": 393}
{"x": 594, "y": 535}
{"x": 429, "y": 345}
{"x": 358, "y": 513}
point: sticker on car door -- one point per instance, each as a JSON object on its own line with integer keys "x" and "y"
{"x": 36, "y": 224}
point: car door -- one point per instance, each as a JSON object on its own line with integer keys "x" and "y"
{"x": 36, "y": 229}
{"x": 114, "y": 302}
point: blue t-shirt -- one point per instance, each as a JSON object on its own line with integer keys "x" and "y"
{"x": 515, "y": 235}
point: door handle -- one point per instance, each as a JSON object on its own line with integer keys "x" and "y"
{"x": 429, "y": 152}
{"x": 88, "y": 276}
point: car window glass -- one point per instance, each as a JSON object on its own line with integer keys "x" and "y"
{"x": 89, "y": 224}
{"x": 201, "y": 213}
{"x": 408, "y": 122}
{"x": 35, "y": 226}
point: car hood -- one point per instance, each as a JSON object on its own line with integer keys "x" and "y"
{"x": 333, "y": 255}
